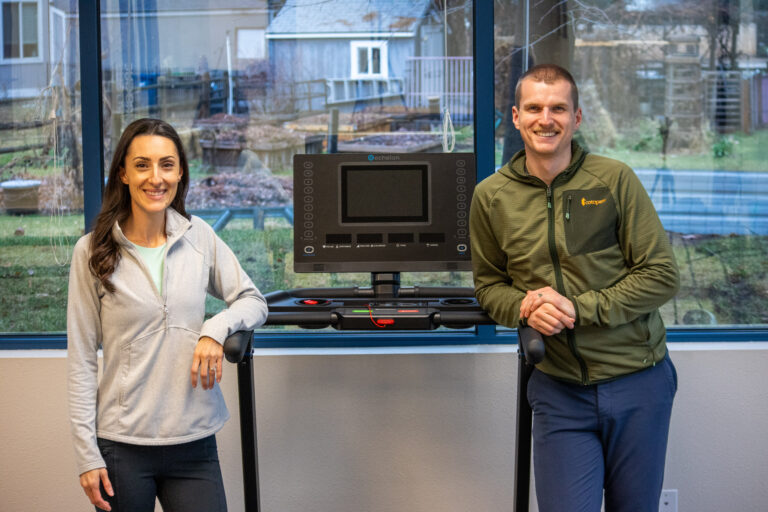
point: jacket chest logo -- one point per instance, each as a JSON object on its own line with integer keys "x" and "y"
{"x": 592, "y": 202}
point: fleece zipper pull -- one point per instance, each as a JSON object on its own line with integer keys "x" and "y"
{"x": 549, "y": 198}
{"x": 568, "y": 208}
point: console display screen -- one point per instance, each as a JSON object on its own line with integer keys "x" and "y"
{"x": 385, "y": 194}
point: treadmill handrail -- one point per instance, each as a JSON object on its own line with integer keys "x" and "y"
{"x": 531, "y": 341}
{"x": 236, "y": 345}
{"x": 448, "y": 318}
{"x": 301, "y": 318}
{"x": 435, "y": 292}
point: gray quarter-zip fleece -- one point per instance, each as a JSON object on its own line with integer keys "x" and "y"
{"x": 145, "y": 396}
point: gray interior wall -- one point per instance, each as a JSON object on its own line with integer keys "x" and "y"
{"x": 718, "y": 447}
{"x": 392, "y": 431}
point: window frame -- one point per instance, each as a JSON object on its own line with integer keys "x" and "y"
{"x": 354, "y": 49}
{"x": 40, "y": 42}
{"x": 57, "y": 17}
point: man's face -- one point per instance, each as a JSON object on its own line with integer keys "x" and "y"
{"x": 546, "y": 118}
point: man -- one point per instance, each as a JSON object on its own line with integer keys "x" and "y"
{"x": 570, "y": 244}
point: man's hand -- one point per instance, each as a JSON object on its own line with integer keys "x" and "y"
{"x": 207, "y": 362}
{"x": 90, "y": 481}
{"x": 547, "y": 311}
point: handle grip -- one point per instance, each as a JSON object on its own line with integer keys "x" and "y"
{"x": 531, "y": 344}
{"x": 236, "y": 345}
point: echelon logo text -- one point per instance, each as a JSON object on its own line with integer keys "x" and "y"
{"x": 379, "y": 158}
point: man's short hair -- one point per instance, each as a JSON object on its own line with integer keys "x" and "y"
{"x": 549, "y": 74}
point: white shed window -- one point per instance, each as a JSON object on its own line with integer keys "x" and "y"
{"x": 369, "y": 59}
{"x": 250, "y": 43}
{"x": 20, "y": 21}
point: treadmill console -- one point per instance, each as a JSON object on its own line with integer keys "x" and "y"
{"x": 382, "y": 212}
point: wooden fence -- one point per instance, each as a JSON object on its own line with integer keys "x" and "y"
{"x": 759, "y": 94}
{"x": 207, "y": 95}
{"x": 723, "y": 100}
{"x": 734, "y": 103}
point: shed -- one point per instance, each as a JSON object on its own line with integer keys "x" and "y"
{"x": 359, "y": 49}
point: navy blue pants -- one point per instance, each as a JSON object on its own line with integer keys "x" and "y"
{"x": 609, "y": 437}
{"x": 184, "y": 477}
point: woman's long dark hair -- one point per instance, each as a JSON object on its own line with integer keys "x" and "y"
{"x": 116, "y": 206}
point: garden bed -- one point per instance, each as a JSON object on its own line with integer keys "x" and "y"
{"x": 275, "y": 146}
{"x": 350, "y": 124}
{"x": 394, "y": 142}
{"x": 229, "y": 190}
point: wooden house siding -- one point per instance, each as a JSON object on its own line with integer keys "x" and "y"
{"x": 310, "y": 59}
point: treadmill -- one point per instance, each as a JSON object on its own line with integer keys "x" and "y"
{"x": 383, "y": 214}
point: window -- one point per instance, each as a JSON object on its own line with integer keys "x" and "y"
{"x": 41, "y": 180}
{"x": 20, "y": 30}
{"x": 250, "y": 43}
{"x": 623, "y": 55}
{"x": 681, "y": 100}
{"x": 243, "y": 120}
{"x": 369, "y": 59}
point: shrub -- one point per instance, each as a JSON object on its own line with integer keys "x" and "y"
{"x": 723, "y": 147}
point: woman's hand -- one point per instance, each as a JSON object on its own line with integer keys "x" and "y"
{"x": 207, "y": 362}
{"x": 90, "y": 481}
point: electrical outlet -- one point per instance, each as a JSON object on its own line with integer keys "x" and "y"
{"x": 668, "y": 501}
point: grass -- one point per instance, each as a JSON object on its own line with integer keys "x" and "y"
{"x": 747, "y": 153}
{"x": 724, "y": 276}
{"x": 28, "y": 164}
{"x": 34, "y": 268}
{"x": 33, "y": 303}
{"x": 42, "y": 225}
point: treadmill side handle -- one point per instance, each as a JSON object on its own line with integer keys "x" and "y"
{"x": 236, "y": 345}
{"x": 532, "y": 344}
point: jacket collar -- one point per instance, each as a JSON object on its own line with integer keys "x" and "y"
{"x": 515, "y": 168}
{"x": 175, "y": 227}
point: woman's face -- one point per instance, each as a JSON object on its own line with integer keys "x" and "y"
{"x": 152, "y": 172}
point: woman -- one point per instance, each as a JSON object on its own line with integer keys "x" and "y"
{"x": 137, "y": 289}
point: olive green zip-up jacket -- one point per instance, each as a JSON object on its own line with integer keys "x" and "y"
{"x": 594, "y": 236}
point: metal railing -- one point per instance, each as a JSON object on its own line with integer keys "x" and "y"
{"x": 347, "y": 90}
{"x": 450, "y": 80}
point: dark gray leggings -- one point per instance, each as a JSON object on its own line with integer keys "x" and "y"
{"x": 184, "y": 477}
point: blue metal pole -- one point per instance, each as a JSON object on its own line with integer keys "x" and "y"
{"x": 483, "y": 84}
{"x": 91, "y": 104}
